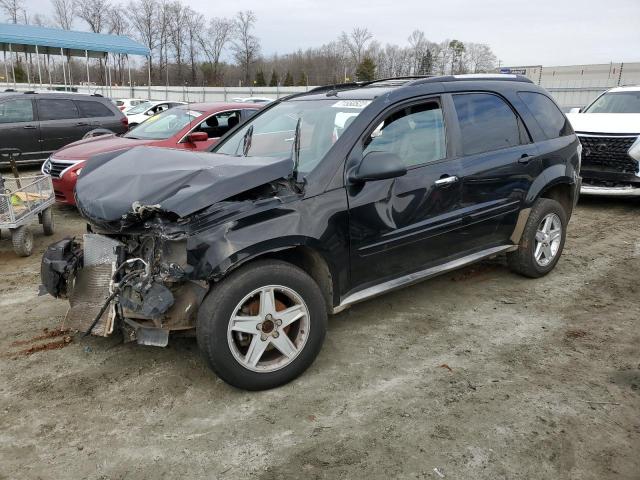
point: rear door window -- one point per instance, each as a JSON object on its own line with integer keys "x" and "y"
{"x": 56, "y": 109}
{"x": 16, "y": 111}
{"x": 548, "y": 116}
{"x": 88, "y": 108}
{"x": 487, "y": 123}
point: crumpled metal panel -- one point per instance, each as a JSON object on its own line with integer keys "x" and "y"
{"x": 181, "y": 182}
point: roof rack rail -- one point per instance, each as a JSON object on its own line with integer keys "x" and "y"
{"x": 336, "y": 87}
{"x": 504, "y": 77}
{"x": 418, "y": 80}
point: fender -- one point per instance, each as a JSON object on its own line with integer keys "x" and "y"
{"x": 215, "y": 251}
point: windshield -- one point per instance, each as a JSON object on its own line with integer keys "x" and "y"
{"x": 140, "y": 108}
{"x": 323, "y": 122}
{"x": 164, "y": 125}
{"x": 616, "y": 102}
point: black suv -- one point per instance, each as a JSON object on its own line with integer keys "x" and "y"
{"x": 38, "y": 124}
{"x": 320, "y": 201}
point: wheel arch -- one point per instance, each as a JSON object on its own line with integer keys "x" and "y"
{"x": 299, "y": 253}
{"x": 554, "y": 183}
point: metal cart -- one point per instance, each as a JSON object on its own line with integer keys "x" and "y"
{"x": 22, "y": 199}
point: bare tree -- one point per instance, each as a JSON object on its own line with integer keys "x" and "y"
{"x": 12, "y": 8}
{"x": 479, "y": 58}
{"x": 178, "y": 33}
{"x": 63, "y": 13}
{"x": 163, "y": 24}
{"x": 214, "y": 41}
{"x": 195, "y": 25}
{"x": 142, "y": 14}
{"x": 94, "y": 12}
{"x": 117, "y": 24}
{"x": 356, "y": 42}
{"x": 246, "y": 47}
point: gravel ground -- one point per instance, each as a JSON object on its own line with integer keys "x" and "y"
{"x": 477, "y": 374}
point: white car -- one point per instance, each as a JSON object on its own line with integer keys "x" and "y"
{"x": 253, "y": 100}
{"x": 138, "y": 114}
{"x": 125, "y": 104}
{"x": 609, "y": 130}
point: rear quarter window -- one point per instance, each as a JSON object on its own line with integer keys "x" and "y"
{"x": 88, "y": 108}
{"x": 487, "y": 123}
{"x": 547, "y": 115}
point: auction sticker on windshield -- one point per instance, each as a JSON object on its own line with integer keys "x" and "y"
{"x": 351, "y": 104}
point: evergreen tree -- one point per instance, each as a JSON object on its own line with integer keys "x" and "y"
{"x": 366, "y": 71}
{"x": 426, "y": 64}
{"x": 288, "y": 80}
{"x": 260, "y": 81}
{"x": 274, "y": 79}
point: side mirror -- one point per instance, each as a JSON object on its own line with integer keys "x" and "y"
{"x": 149, "y": 113}
{"x": 379, "y": 166}
{"x": 197, "y": 137}
{"x": 575, "y": 110}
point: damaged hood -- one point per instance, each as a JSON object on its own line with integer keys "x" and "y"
{"x": 174, "y": 181}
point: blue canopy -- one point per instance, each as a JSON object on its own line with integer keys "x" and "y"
{"x": 25, "y": 38}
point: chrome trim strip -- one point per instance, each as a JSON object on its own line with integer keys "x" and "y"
{"x": 71, "y": 164}
{"x": 610, "y": 191}
{"x": 417, "y": 277}
{"x": 608, "y": 135}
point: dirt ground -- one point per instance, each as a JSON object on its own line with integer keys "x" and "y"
{"x": 477, "y": 374}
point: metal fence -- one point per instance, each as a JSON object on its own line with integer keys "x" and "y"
{"x": 571, "y": 86}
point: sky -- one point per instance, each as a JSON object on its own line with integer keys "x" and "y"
{"x": 533, "y": 32}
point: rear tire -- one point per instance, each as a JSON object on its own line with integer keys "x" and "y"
{"x": 542, "y": 240}
{"x": 48, "y": 226}
{"x": 22, "y": 240}
{"x": 234, "y": 331}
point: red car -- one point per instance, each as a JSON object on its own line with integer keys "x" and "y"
{"x": 196, "y": 126}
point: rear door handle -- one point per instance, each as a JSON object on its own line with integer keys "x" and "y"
{"x": 29, "y": 127}
{"x": 82, "y": 124}
{"x": 449, "y": 180}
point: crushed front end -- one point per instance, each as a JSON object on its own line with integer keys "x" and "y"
{"x": 156, "y": 235}
{"x": 135, "y": 282}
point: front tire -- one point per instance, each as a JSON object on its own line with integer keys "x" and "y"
{"x": 542, "y": 240}
{"x": 263, "y": 325}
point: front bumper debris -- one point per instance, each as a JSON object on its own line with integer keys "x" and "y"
{"x": 126, "y": 282}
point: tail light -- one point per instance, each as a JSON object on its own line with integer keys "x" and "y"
{"x": 125, "y": 122}
{"x": 121, "y": 108}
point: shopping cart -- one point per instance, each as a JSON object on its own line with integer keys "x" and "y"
{"x": 22, "y": 199}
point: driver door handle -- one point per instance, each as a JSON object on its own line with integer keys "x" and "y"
{"x": 451, "y": 179}
{"x": 525, "y": 158}
{"x": 29, "y": 127}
